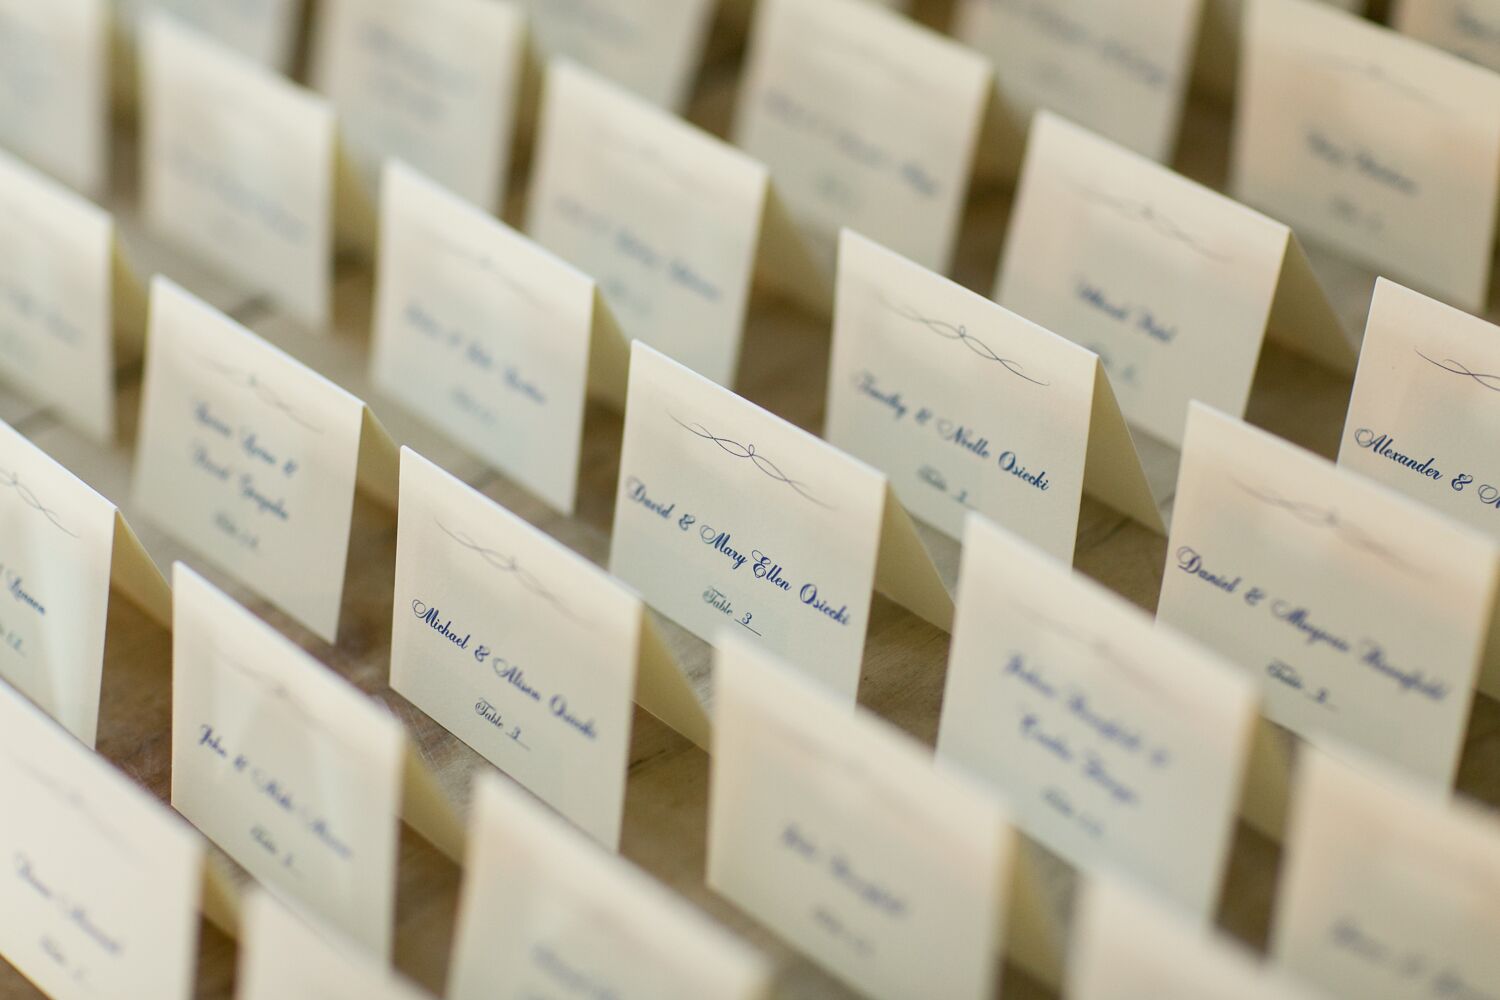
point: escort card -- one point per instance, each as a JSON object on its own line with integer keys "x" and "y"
{"x": 652, "y": 47}
{"x": 1118, "y": 745}
{"x": 544, "y": 913}
{"x": 1425, "y": 415}
{"x": 237, "y": 167}
{"x": 523, "y": 649}
{"x": 1120, "y": 69}
{"x": 293, "y": 772}
{"x": 1128, "y": 946}
{"x": 101, "y": 882}
{"x": 54, "y": 88}
{"x": 287, "y": 957}
{"x": 730, "y": 518}
{"x": 1383, "y": 148}
{"x": 664, "y": 216}
{"x": 64, "y": 547}
{"x": 1173, "y": 285}
{"x": 432, "y": 82}
{"x": 1467, "y": 28}
{"x": 487, "y": 335}
{"x": 1216, "y": 67}
{"x": 1385, "y": 892}
{"x": 967, "y": 406}
{"x": 1361, "y": 614}
{"x": 839, "y": 100}
{"x": 64, "y": 283}
{"x": 838, "y": 833}
{"x": 263, "y": 30}
{"x": 252, "y": 458}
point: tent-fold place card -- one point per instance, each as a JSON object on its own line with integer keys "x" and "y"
{"x": 665, "y": 217}
{"x": 1467, "y": 28}
{"x": 1379, "y": 146}
{"x": 1119, "y": 67}
{"x": 1361, "y": 614}
{"x": 867, "y": 120}
{"x": 839, "y": 833}
{"x": 293, "y": 772}
{"x": 545, "y": 913}
{"x": 524, "y": 650}
{"x": 728, "y": 518}
{"x": 432, "y": 82}
{"x": 101, "y": 883}
{"x": 238, "y": 167}
{"x": 967, "y": 406}
{"x": 1387, "y": 892}
{"x": 264, "y": 31}
{"x": 252, "y": 458}
{"x": 488, "y": 336}
{"x": 1175, "y": 286}
{"x": 1117, "y": 744}
{"x": 64, "y": 548}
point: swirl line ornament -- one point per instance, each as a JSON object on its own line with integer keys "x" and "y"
{"x": 1327, "y": 517}
{"x": 12, "y": 480}
{"x": 747, "y": 451}
{"x": 960, "y": 333}
{"x": 1487, "y": 381}
{"x": 1144, "y": 212}
{"x": 509, "y": 564}
{"x": 252, "y": 382}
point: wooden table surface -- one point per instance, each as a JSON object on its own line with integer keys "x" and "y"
{"x": 784, "y": 369}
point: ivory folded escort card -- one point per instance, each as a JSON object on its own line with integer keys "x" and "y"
{"x": 65, "y": 291}
{"x": 1425, "y": 415}
{"x": 432, "y": 82}
{"x": 238, "y": 166}
{"x": 487, "y": 335}
{"x": 1380, "y": 146}
{"x": 652, "y": 47}
{"x": 64, "y": 546}
{"x": 1467, "y": 28}
{"x": 1216, "y": 67}
{"x": 293, "y": 772}
{"x": 263, "y": 30}
{"x": 838, "y": 833}
{"x": 101, "y": 882}
{"x": 967, "y": 406}
{"x": 867, "y": 120}
{"x": 1119, "y": 68}
{"x": 1117, "y": 744}
{"x": 1128, "y": 947}
{"x": 1387, "y": 893}
{"x": 1174, "y": 286}
{"x": 1362, "y": 614}
{"x": 728, "y": 518}
{"x": 524, "y": 650}
{"x": 544, "y": 913}
{"x": 54, "y": 88}
{"x": 285, "y": 956}
{"x": 665, "y": 217}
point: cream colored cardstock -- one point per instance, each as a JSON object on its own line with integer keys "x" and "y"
{"x": 252, "y": 458}
{"x": 967, "y": 406}
{"x": 1117, "y": 744}
{"x": 545, "y": 913}
{"x": 238, "y": 166}
{"x": 665, "y": 217}
{"x": 1467, "y": 28}
{"x": 101, "y": 882}
{"x": 1127, "y": 946}
{"x": 263, "y": 30}
{"x": 1425, "y": 415}
{"x": 867, "y": 120}
{"x": 651, "y": 47}
{"x": 1361, "y": 614}
{"x": 1216, "y": 67}
{"x": 435, "y": 83}
{"x": 1118, "y": 67}
{"x": 63, "y": 547}
{"x": 54, "y": 88}
{"x": 1174, "y": 286}
{"x": 1379, "y": 146}
{"x": 839, "y": 834}
{"x": 287, "y": 956}
{"x": 521, "y": 648}
{"x": 292, "y": 771}
{"x": 1387, "y": 893}
{"x": 486, "y": 335}
{"x": 728, "y": 518}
